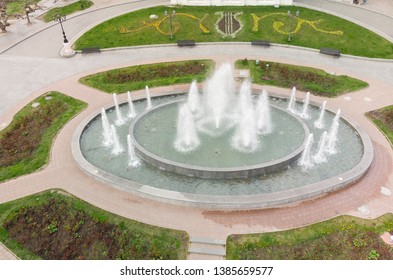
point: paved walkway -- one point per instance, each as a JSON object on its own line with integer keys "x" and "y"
{"x": 380, "y": 23}
{"x": 366, "y": 199}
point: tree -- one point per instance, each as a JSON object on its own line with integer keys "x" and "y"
{"x": 3, "y": 17}
{"x": 30, "y": 7}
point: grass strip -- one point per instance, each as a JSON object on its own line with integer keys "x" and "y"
{"x": 341, "y": 238}
{"x": 56, "y": 225}
{"x": 383, "y": 119}
{"x": 303, "y": 78}
{"x": 25, "y": 144}
{"x": 68, "y": 10}
{"x": 312, "y": 29}
{"x": 159, "y": 74}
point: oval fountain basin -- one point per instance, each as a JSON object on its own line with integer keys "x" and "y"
{"x": 154, "y": 133}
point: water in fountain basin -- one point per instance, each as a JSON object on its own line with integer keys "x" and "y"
{"x": 264, "y": 122}
{"x": 319, "y": 122}
{"x": 117, "y": 149}
{"x": 320, "y": 156}
{"x": 107, "y": 138}
{"x": 292, "y": 101}
{"x": 332, "y": 134}
{"x": 133, "y": 160}
{"x": 304, "y": 114}
{"x": 187, "y": 138}
{"x": 131, "y": 108}
{"x": 119, "y": 117}
{"x": 306, "y": 160}
{"x": 148, "y": 98}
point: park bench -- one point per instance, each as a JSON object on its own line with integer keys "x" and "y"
{"x": 328, "y": 51}
{"x": 91, "y": 50}
{"x": 185, "y": 43}
{"x": 263, "y": 43}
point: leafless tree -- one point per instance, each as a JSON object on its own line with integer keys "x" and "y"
{"x": 3, "y": 17}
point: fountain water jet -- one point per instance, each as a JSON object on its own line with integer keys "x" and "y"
{"x": 319, "y": 122}
{"x": 320, "y": 156}
{"x": 306, "y": 102}
{"x": 245, "y": 138}
{"x": 292, "y": 101}
{"x": 264, "y": 122}
{"x": 117, "y": 149}
{"x": 106, "y": 130}
{"x": 193, "y": 99}
{"x": 187, "y": 138}
{"x": 133, "y": 160}
{"x": 218, "y": 93}
{"x": 332, "y": 134}
{"x": 148, "y": 98}
{"x": 306, "y": 160}
{"x": 131, "y": 109}
{"x": 119, "y": 117}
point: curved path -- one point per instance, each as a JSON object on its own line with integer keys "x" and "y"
{"x": 362, "y": 199}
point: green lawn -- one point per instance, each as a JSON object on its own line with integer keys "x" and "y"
{"x": 345, "y": 237}
{"x": 25, "y": 144}
{"x": 309, "y": 79}
{"x": 16, "y": 7}
{"x": 383, "y": 119}
{"x": 56, "y": 225}
{"x": 67, "y": 10}
{"x": 159, "y": 74}
{"x": 312, "y": 29}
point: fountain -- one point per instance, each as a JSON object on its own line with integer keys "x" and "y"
{"x": 107, "y": 138}
{"x": 119, "y": 117}
{"x": 133, "y": 160}
{"x": 186, "y": 135}
{"x": 320, "y": 156}
{"x": 319, "y": 123}
{"x": 131, "y": 109}
{"x": 148, "y": 98}
{"x": 264, "y": 123}
{"x": 304, "y": 113}
{"x": 223, "y": 148}
{"x": 292, "y": 101}
{"x": 218, "y": 94}
{"x": 332, "y": 135}
{"x": 306, "y": 160}
{"x": 245, "y": 138}
{"x": 117, "y": 148}
{"x": 193, "y": 101}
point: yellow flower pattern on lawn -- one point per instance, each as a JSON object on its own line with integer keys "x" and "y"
{"x": 157, "y": 24}
{"x": 277, "y": 25}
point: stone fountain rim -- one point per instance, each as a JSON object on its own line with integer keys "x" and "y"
{"x": 208, "y": 172}
{"x": 226, "y": 202}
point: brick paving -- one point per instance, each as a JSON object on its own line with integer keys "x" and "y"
{"x": 62, "y": 172}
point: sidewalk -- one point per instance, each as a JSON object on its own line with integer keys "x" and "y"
{"x": 6, "y": 254}
{"x": 380, "y": 23}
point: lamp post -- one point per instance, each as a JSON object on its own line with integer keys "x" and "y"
{"x": 59, "y": 18}
{"x": 291, "y": 23}
{"x": 170, "y": 20}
